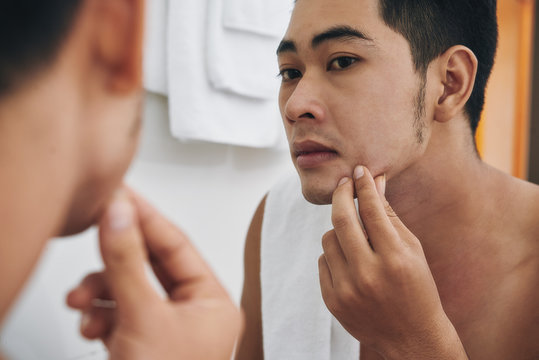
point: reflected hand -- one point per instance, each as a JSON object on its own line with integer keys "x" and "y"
{"x": 195, "y": 320}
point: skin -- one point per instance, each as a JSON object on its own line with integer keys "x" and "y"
{"x": 194, "y": 320}
{"x": 75, "y": 127}
{"x": 461, "y": 235}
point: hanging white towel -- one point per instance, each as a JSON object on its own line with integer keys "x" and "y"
{"x": 198, "y": 111}
{"x": 155, "y": 45}
{"x": 296, "y": 323}
{"x": 243, "y": 36}
{"x": 264, "y": 17}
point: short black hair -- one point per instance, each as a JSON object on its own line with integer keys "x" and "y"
{"x": 31, "y": 33}
{"x": 433, "y": 26}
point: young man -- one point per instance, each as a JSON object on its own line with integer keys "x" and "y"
{"x": 442, "y": 262}
{"x": 70, "y": 96}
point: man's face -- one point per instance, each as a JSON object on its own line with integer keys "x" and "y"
{"x": 109, "y": 146}
{"x": 100, "y": 63}
{"x": 350, "y": 95}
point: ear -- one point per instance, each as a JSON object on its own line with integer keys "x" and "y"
{"x": 119, "y": 44}
{"x": 457, "y": 70}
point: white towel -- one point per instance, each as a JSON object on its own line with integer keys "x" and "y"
{"x": 264, "y": 17}
{"x": 296, "y": 323}
{"x": 243, "y": 36}
{"x": 198, "y": 111}
{"x": 155, "y": 43}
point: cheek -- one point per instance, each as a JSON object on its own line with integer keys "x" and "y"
{"x": 378, "y": 137}
{"x": 115, "y": 150}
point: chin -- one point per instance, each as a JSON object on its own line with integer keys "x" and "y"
{"x": 75, "y": 225}
{"x": 84, "y": 213}
{"x": 317, "y": 199}
{"x": 318, "y": 185}
{"x": 317, "y": 195}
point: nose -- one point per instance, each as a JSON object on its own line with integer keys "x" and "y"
{"x": 304, "y": 102}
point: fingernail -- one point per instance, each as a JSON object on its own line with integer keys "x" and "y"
{"x": 85, "y": 321}
{"x": 343, "y": 181}
{"x": 120, "y": 214}
{"x": 384, "y": 184}
{"x": 359, "y": 172}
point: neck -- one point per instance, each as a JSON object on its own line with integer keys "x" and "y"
{"x": 450, "y": 200}
{"x": 444, "y": 198}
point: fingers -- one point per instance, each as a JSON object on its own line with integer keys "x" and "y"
{"x": 373, "y": 212}
{"x": 96, "y": 321}
{"x": 326, "y": 280}
{"x": 124, "y": 255}
{"x": 178, "y": 264}
{"x": 346, "y": 222}
{"x": 334, "y": 256}
{"x": 91, "y": 287}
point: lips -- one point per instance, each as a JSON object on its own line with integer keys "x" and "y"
{"x": 307, "y": 147}
{"x": 311, "y": 154}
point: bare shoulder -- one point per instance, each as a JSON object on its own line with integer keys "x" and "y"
{"x": 253, "y": 235}
{"x": 250, "y": 346}
{"x": 524, "y": 210}
{"x": 521, "y": 223}
{"x": 252, "y": 244}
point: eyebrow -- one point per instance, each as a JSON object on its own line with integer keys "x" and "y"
{"x": 339, "y": 32}
{"x": 286, "y": 46}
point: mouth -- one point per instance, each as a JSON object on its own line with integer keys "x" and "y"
{"x": 310, "y": 154}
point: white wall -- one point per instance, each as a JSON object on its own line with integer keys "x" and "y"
{"x": 209, "y": 190}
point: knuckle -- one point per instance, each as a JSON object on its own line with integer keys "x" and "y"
{"x": 163, "y": 251}
{"x": 321, "y": 261}
{"x": 369, "y": 213}
{"x": 340, "y": 220}
{"x": 331, "y": 302}
{"x": 328, "y": 238}
{"x": 119, "y": 254}
{"x": 401, "y": 270}
{"x": 397, "y": 265}
{"x": 368, "y": 283}
{"x": 120, "y": 249}
{"x": 335, "y": 305}
{"x": 347, "y": 294}
{"x": 362, "y": 185}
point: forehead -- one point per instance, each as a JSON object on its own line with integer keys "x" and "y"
{"x": 311, "y": 17}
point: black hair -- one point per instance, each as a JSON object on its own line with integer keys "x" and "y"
{"x": 31, "y": 33}
{"x": 433, "y": 26}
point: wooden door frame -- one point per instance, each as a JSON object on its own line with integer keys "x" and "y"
{"x": 533, "y": 164}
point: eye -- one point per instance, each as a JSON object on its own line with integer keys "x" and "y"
{"x": 289, "y": 74}
{"x": 342, "y": 63}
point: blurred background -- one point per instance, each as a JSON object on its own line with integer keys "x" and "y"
{"x": 212, "y": 146}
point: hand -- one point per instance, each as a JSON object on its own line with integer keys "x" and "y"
{"x": 376, "y": 281}
{"x": 195, "y": 320}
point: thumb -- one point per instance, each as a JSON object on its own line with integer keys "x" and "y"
{"x": 380, "y": 182}
{"x": 124, "y": 255}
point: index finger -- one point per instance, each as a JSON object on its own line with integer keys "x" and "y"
{"x": 124, "y": 256}
{"x": 186, "y": 272}
{"x": 346, "y": 223}
{"x": 379, "y": 227}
